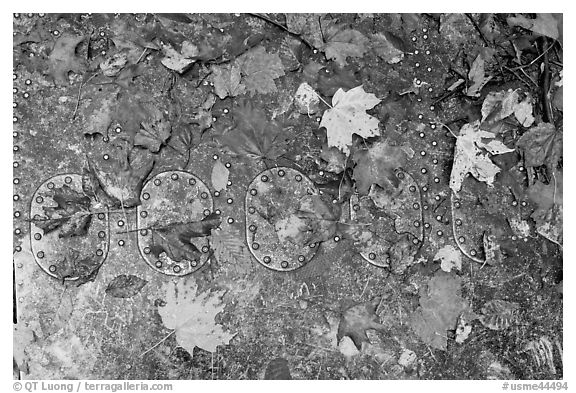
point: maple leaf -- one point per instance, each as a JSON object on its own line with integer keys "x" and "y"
{"x": 348, "y": 116}
{"x": 123, "y": 186}
{"x": 341, "y": 44}
{"x": 470, "y": 158}
{"x": 63, "y": 58}
{"x": 219, "y": 176}
{"x": 260, "y": 69}
{"x": 254, "y": 135}
{"x": 377, "y": 165}
{"x": 226, "y": 79}
{"x": 356, "y": 320}
{"x": 440, "y": 306}
{"x": 154, "y": 132}
{"x": 192, "y": 316}
{"x": 541, "y": 145}
{"x": 71, "y": 215}
{"x": 124, "y": 286}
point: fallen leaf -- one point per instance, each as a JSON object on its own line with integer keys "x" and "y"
{"x": 441, "y": 304}
{"x": 470, "y": 158}
{"x": 124, "y": 286}
{"x": 498, "y": 314}
{"x": 549, "y": 212}
{"x": 226, "y": 79}
{"x": 385, "y": 49}
{"x": 277, "y": 369}
{"x": 259, "y": 69}
{"x": 219, "y": 176}
{"x": 319, "y": 218}
{"x": 192, "y": 316}
{"x": 463, "y": 330}
{"x": 230, "y": 248}
{"x": 341, "y": 44}
{"x": 308, "y": 26}
{"x": 334, "y": 158}
{"x": 377, "y": 165}
{"x": 450, "y": 257}
{"x": 180, "y": 61}
{"x": 523, "y": 112}
{"x": 541, "y": 145}
{"x": 333, "y": 77}
{"x": 290, "y": 53}
{"x": 254, "y": 136}
{"x": 203, "y": 116}
{"x": 356, "y": 320}
{"x": 100, "y": 117}
{"x": 348, "y": 116}
{"x": 477, "y": 76}
{"x": 544, "y": 24}
{"x": 127, "y": 75}
{"x": 114, "y": 64}
{"x": 80, "y": 270}
{"x": 154, "y": 132}
{"x": 407, "y": 358}
{"x": 306, "y": 99}
{"x": 499, "y": 105}
{"x": 63, "y": 58}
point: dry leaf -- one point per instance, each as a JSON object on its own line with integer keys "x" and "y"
{"x": 63, "y": 58}
{"x": 385, "y": 49}
{"x": 114, "y": 64}
{"x": 180, "y": 61}
{"x": 226, "y": 79}
{"x": 154, "y": 132}
{"x": 259, "y": 70}
{"x": 470, "y": 158}
{"x": 499, "y": 105}
{"x": 377, "y": 166}
{"x": 348, "y": 116}
{"x": 308, "y": 26}
{"x": 192, "y": 316}
{"x": 229, "y": 247}
{"x": 343, "y": 44}
{"x": 449, "y": 257}
{"x": 219, "y": 176}
{"x": 544, "y": 24}
{"x": 100, "y": 118}
{"x": 477, "y": 76}
{"x": 306, "y": 99}
{"x": 124, "y": 286}
{"x": 203, "y": 116}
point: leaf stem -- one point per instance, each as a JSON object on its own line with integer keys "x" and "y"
{"x": 158, "y": 343}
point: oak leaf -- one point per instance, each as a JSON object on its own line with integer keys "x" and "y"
{"x": 259, "y": 69}
{"x": 192, "y": 316}
{"x": 348, "y": 116}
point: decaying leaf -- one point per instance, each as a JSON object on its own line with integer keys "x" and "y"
{"x": 441, "y": 304}
{"x": 219, "y": 176}
{"x": 348, "y": 116}
{"x": 154, "y": 132}
{"x": 385, "y": 48}
{"x": 63, "y": 58}
{"x": 356, "y": 320}
{"x": 192, "y": 316}
{"x": 112, "y": 65}
{"x": 278, "y": 370}
{"x": 334, "y": 158}
{"x": 230, "y": 248}
{"x": 377, "y": 165}
{"x": 498, "y": 314}
{"x": 259, "y": 69}
{"x": 341, "y": 44}
{"x": 71, "y": 216}
{"x": 100, "y": 117}
{"x": 125, "y": 286}
{"x": 255, "y": 136}
{"x": 450, "y": 257}
{"x": 320, "y": 219}
{"x": 81, "y": 270}
{"x": 541, "y": 145}
{"x": 306, "y": 99}
{"x": 499, "y": 105}
{"x": 226, "y": 79}
{"x": 290, "y": 53}
{"x": 549, "y": 212}
{"x": 469, "y": 156}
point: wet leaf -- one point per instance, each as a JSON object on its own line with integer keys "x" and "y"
{"x": 63, "y": 58}
{"x": 377, "y": 165}
{"x": 259, "y": 69}
{"x": 356, "y": 320}
{"x": 226, "y": 79}
{"x": 348, "y": 116}
{"x": 498, "y": 314}
{"x": 441, "y": 304}
{"x": 192, "y": 316}
{"x": 125, "y": 286}
{"x": 100, "y": 116}
{"x": 334, "y": 158}
{"x": 320, "y": 220}
{"x": 341, "y": 44}
{"x": 469, "y": 156}
{"x": 290, "y": 53}
{"x": 154, "y": 132}
{"x": 541, "y": 145}
{"x": 219, "y": 176}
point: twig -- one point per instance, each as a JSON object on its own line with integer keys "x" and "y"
{"x": 82, "y": 84}
{"x": 517, "y": 76}
{"x": 549, "y": 116}
{"x": 265, "y": 18}
{"x": 448, "y": 128}
{"x": 142, "y": 55}
{"x": 158, "y": 343}
{"x": 478, "y": 29}
{"x": 533, "y": 61}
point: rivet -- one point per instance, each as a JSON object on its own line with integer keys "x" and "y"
{"x": 25, "y": 95}
{"x": 336, "y": 239}
{"x": 458, "y": 222}
{"x": 99, "y": 252}
{"x": 301, "y": 258}
{"x": 103, "y": 53}
{"x": 37, "y": 236}
{"x": 229, "y": 201}
{"x": 68, "y": 180}
{"x": 229, "y": 183}
{"x": 514, "y": 203}
{"x": 50, "y": 185}
{"x": 121, "y": 243}
{"x": 424, "y": 30}
{"x": 215, "y": 156}
{"x": 422, "y": 153}
{"x": 416, "y": 51}
{"x": 439, "y": 218}
{"x": 400, "y": 175}
{"x": 205, "y": 249}
{"x": 214, "y": 119}
{"x": 417, "y": 65}
{"x": 204, "y": 195}
{"x": 41, "y": 15}
{"x": 372, "y": 256}
{"x": 425, "y": 207}
{"x": 514, "y": 237}
{"x": 15, "y": 134}
{"x": 430, "y": 89}
{"x": 174, "y": 176}
{"x": 120, "y": 223}
{"x": 14, "y": 90}
{"x": 356, "y": 207}
{"x": 52, "y": 268}
{"x": 16, "y": 16}
{"x": 432, "y": 107}
{"x": 28, "y": 82}
{"x": 284, "y": 264}
{"x": 192, "y": 181}
{"x": 253, "y": 191}
{"x": 176, "y": 269}
{"x": 524, "y": 203}
{"x": 267, "y": 259}
{"x": 157, "y": 182}
{"x": 426, "y": 225}
{"x": 318, "y": 120}
{"x": 207, "y": 212}
{"x": 422, "y": 135}
{"x": 101, "y": 234}
{"x": 146, "y": 250}
{"x": 413, "y": 39}
{"x": 418, "y": 82}
{"x": 436, "y": 180}
{"x": 264, "y": 178}
{"x": 255, "y": 246}
{"x": 230, "y": 220}
{"x": 217, "y": 211}
{"x": 428, "y": 52}
{"x": 521, "y": 169}
{"x": 16, "y": 181}
{"x": 434, "y": 143}
{"x": 56, "y": 32}
{"x": 434, "y": 161}
{"x": 227, "y": 165}
{"x": 473, "y": 252}
{"x": 16, "y": 197}
{"x": 429, "y": 69}
{"x": 298, "y": 178}
{"x": 15, "y": 119}
{"x": 439, "y": 233}
{"x": 143, "y": 232}
{"x": 425, "y": 36}
{"x": 417, "y": 224}
{"x": 16, "y": 214}
{"x": 420, "y": 116}
{"x": 415, "y": 241}
{"x": 251, "y": 210}
{"x": 143, "y": 214}
{"x": 15, "y": 164}
{"x": 461, "y": 239}
{"x": 146, "y": 196}
{"x": 423, "y": 170}
{"x": 14, "y": 105}
{"x": 40, "y": 254}
{"x": 412, "y": 188}
{"x": 216, "y": 193}
{"x": 457, "y": 205}
{"x": 419, "y": 99}
{"x": 437, "y": 197}
{"x": 312, "y": 245}
{"x": 106, "y": 157}
{"x": 194, "y": 263}
{"x": 225, "y": 110}
{"x": 416, "y": 206}
{"x": 281, "y": 173}
{"x": 105, "y": 140}
{"x": 158, "y": 264}
{"x": 252, "y": 228}
{"x": 18, "y": 248}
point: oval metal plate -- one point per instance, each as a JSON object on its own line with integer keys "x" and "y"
{"x": 171, "y": 197}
